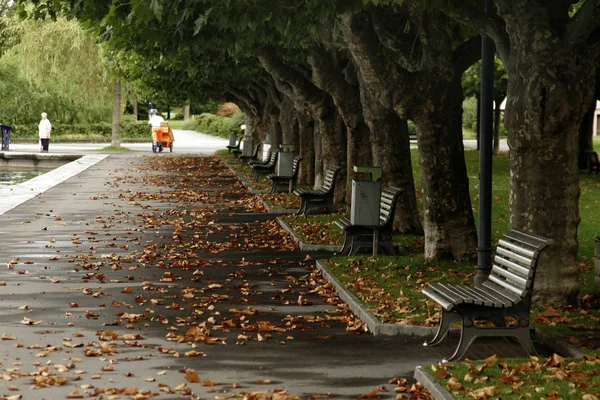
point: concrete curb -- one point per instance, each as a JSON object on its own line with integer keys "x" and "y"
{"x": 437, "y": 391}
{"x": 559, "y": 346}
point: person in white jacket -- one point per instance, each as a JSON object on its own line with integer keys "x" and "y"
{"x": 45, "y": 127}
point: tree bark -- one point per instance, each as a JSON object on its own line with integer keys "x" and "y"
{"x": 390, "y": 145}
{"x": 550, "y": 89}
{"x": 448, "y": 220}
{"x": 135, "y": 107}
{"x": 306, "y": 128}
{"x": 497, "y": 122}
{"x": 328, "y": 76}
{"x": 116, "y": 122}
{"x": 186, "y": 112}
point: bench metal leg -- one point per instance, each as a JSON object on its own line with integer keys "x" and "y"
{"x": 347, "y": 246}
{"x": 446, "y": 322}
{"x": 302, "y": 208}
{"x": 468, "y": 334}
{"x": 523, "y": 335}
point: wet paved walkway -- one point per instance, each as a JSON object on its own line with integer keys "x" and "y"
{"x": 157, "y": 276}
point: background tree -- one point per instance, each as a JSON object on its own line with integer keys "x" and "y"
{"x": 471, "y": 83}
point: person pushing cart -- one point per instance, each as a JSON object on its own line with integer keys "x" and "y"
{"x": 162, "y": 134}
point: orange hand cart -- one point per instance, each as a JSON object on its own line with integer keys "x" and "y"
{"x": 162, "y": 137}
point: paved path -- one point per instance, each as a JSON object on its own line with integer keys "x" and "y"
{"x": 153, "y": 275}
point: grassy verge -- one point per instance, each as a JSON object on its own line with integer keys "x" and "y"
{"x": 552, "y": 378}
{"x": 399, "y": 280}
{"x": 113, "y": 149}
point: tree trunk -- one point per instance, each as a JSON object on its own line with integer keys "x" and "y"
{"x": 306, "y": 128}
{"x": 135, "y": 107}
{"x": 497, "y": 122}
{"x": 546, "y": 103}
{"x": 390, "y": 145}
{"x": 586, "y": 135}
{"x": 116, "y": 123}
{"x": 332, "y": 135}
{"x": 448, "y": 220}
{"x": 288, "y": 122}
{"x": 327, "y": 76}
{"x": 186, "y": 112}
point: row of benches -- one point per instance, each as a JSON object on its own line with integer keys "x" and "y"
{"x": 481, "y": 310}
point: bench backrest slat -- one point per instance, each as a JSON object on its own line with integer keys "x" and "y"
{"x": 511, "y": 277}
{"x": 508, "y": 286}
{"x": 516, "y": 260}
{"x": 503, "y": 251}
{"x": 517, "y": 248}
{"x": 387, "y": 205}
{"x": 273, "y": 159}
{"x": 296, "y": 166}
{"x": 330, "y": 176}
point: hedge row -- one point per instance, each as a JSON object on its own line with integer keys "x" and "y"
{"x": 216, "y": 125}
{"x": 129, "y": 130}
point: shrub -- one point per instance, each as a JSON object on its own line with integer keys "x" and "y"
{"x": 129, "y": 130}
{"x": 470, "y": 113}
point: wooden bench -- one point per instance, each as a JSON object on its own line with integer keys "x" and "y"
{"x": 282, "y": 183}
{"x": 259, "y": 170}
{"x": 252, "y": 157}
{"x": 321, "y": 197}
{"x": 359, "y": 237}
{"x": 235, "y": 147}
{"x": 506, "y": 293}
{"x": 593, "y": 163}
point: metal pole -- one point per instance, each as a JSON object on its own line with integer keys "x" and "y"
{"x": 484, "y": 242}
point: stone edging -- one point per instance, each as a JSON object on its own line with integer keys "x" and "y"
{"x": 437, "y": 391}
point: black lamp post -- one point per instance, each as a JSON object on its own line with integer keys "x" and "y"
{"x": 484, "y": 243}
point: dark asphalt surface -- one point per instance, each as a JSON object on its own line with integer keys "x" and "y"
{"x": 134, "y": 281}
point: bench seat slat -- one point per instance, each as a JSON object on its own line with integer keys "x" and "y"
{"x": 438, "y": 298}
{"x": 462, "y": 291}
{"x": 482, "y": 297}
{"x": 495, "y": 288}
{"x": 451, "y": 295}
